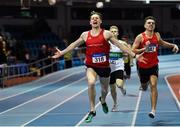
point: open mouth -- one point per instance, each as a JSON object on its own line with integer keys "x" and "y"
{"x": 95, "y": 22}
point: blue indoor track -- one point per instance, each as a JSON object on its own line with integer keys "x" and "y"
{"x": 61, "y": 99}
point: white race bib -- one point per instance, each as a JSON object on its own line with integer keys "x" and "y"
{"x": 151, "y": 48}
{"x": 99, "y": 58}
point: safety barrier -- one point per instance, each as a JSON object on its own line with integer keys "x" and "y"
{"x": 21, "y": 73}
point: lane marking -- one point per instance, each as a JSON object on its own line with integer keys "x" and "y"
{"x": 54, "y": 107}
{"x": 171, "y": 90}
{"x": 40, "y": 86}
{"x": 136, "y": 109}
{"x": 43, "y": 95}
{"x": 83, "y": 119}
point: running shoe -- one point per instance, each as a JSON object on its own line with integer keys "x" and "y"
{"x": 90, "y": 116}
{"x": 115, "y": 108}
{"x": 151, "y": 115}
{"x": 104, "y": 106}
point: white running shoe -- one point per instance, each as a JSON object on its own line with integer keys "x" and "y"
{"x": 115, "y": 108}
{"x": 152, "y": 115}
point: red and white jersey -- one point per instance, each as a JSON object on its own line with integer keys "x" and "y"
{"x": 97, "y": 50}
{"x": 151, "y": 52}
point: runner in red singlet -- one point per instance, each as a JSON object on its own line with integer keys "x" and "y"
{"x": 97, "y": 59}
{"x": 148, "y": 42}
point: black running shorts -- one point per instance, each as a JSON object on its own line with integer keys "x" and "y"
{"x": 119, "y": 74}
{"x": 102, "y": 72}
{"x": 145, "y": 73}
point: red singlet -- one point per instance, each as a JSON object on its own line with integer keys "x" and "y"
{"x": 151, "y": 53}
{"x": 97, "y": 50}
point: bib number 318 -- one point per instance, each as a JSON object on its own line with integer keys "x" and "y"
{"x": 98, "y": 58}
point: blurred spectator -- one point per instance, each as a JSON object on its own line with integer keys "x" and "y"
{"x": 26, "y": 56}
{"x": 67, "y": 56}
{"x": 44, "y": 53}
{"x": 54, "y": 61}
{"x": 3, "y": 59}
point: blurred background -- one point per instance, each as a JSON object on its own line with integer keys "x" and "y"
{"x": 30, "y": 29}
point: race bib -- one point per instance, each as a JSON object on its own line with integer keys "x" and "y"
{"x": 114, "y": 56}
{"x": 112, "y": 61}
{"x": 99, "y": 58}
{"x": 151, "y": 48}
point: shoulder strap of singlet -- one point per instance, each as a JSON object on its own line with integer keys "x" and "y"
{"x": 143, "y": 34}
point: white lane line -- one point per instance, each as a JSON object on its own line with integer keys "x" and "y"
{"x": 171, "y": 90}
{"x": 43, "y": 95}
{"x": 82, "y": 120}
{"x": 136, "y": 109}
{"x": 40, "y": 86}
{"x": 54, "y": 107}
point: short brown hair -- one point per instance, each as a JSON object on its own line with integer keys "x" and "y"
{"x": 97, "y": 13}
{"x": 149, "y": 17}
{"x": 113, "y": 27}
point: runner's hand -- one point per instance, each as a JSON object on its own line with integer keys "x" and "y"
{"x": 175, "y": 49}
{"x": 140, "y": 58}
{"x": 57, "y": 53}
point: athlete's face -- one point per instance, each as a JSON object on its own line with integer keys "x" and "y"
{"x": 114, "y": 32}
{"x": 149, "y": 25}
{"x": 95, "y": 20}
